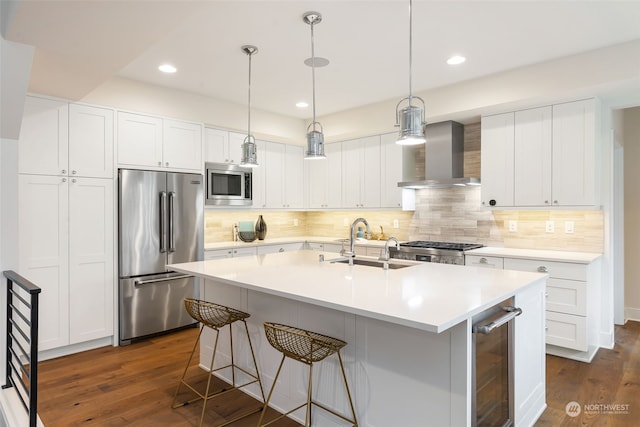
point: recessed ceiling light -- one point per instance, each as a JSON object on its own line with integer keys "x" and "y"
{"x": 302, "y": 104}
{"x": 167, "y": 68}
{"x": 456, "y": 60}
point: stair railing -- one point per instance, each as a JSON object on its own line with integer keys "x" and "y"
{"x": 22, "y": 342}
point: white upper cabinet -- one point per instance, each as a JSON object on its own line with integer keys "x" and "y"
{"x": 153, "y": 142}
{"x": 58, "y": 138}
{"x": 139, "y": 140}
{"x": 283, "y": 175}
{"x": 574, "y": 148}
{"x": 90, "y": 141}
{"x": 182, "y": 145}
{"x": 324, "y": 178}
{"x": 496, "y": 157}
{"x": 361, "y": 173}
{"x": 258, "y": 184}
{"x": 221, "y": 146}
{"x": 532, "y": 180}
{"x": 391, "y": 168}
{"x": 540, "y": 157}
{"x": 44, "y": 137}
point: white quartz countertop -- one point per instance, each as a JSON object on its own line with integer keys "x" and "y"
{"x": 427, "y": 296}
{"x": 562, "y": 256}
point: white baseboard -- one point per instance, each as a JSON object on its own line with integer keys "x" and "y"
{"x": 631, "y": 313}
{"x": 74, "y": 348}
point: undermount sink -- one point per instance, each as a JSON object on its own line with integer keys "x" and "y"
{"x": 373, "y": 263}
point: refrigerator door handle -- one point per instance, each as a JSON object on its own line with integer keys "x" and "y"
{"x": 172, "y": 243}
{"x": 163, "y": 221}
{"x": 162, "y": 279}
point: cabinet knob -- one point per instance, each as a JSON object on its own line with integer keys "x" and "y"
{"x": 159, "y": 163}
{"x": 483, "y": 261}
{"x": 64, "y": 171}
{"x": 64, "y": 179}
{"x": 555, "y": 202}
{"x": 73, "y": 180}
{"x": 166, "y": 164}
{"x": 546, "y": 202}
{"x": 543, "y": 269}
{"x": 73, "y": 172}
{"x": 281, "y": 250}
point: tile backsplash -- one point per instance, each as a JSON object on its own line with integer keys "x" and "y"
{"x": 446, "y": 214}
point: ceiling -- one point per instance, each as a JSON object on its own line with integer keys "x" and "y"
{"x": 81, "y": 44}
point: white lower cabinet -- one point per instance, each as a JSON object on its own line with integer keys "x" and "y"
{"x": 66, "y": 248}
{"x": 229, "y": 253}
{"x": 270, "y": 249}
{"x": 571, "y": 302}
{"x": 323, "y": 247}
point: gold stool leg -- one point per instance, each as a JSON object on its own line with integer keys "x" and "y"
{"x": 266, "y": 402}
{"x": 206, "y": 393}
{"x": 253, "y": 356}
{"x": 346, "y": 386}
{"x": 308, "y": 417}
{"x": 184, "y": 374}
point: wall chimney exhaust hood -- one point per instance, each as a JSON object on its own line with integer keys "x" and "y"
{"x": 444, "y": 158}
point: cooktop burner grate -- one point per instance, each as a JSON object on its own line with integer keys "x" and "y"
{"x": 426, "y": 244}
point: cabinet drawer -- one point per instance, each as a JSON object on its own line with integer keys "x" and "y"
{"x": 567, "y": 296}
{"x": 484, "y": 261}
{"x": 559, "y": 270}
{"x": 566, "y": 330}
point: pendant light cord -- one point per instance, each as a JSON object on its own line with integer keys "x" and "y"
{"x": 313, "y": 75}
{"x": 249, "y": 101}
{"x": 410, "y": 48}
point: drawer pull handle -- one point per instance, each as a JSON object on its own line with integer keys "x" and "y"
{"x": 543, "y": 269}
{"x": 483, "y": 261}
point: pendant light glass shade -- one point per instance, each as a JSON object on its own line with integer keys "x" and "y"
{"x": 249, "y": 153}
{"x": 315, "y": 138}
{"x": 411, "y": 119}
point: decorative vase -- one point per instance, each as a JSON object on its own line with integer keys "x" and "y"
{"x": 261, "y": 228}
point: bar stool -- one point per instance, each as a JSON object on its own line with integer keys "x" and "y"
{"x": 306, "y": 347}
{"x": 216, "y": 316}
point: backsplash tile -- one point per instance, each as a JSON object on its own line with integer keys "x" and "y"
{"x": 446, "y": 214}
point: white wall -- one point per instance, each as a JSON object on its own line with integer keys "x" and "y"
{"x": 136, "y": 96}
{"x": 8, "y": 225}
{"x": 585, "y": 75}
{"x": 631, "y": 136}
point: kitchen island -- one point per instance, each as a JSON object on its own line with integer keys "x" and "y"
{"x": 409, "y": 358}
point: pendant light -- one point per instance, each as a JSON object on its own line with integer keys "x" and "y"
{"x": 249, "y": 154}
{"x": 315, "y": 138}
{"x": 410, "y": 119}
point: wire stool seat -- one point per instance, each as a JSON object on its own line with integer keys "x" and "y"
{"x": 216, "y": 316}
{"x": 307, "y": 347}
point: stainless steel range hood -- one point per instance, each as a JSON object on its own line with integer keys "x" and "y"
{"x": 444, "y": 158}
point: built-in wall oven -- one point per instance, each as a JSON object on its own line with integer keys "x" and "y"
{"x": 228, "y": 185}
{"x": 492, "y": 403}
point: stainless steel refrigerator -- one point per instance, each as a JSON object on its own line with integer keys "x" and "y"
{"x": 160, "y": 222}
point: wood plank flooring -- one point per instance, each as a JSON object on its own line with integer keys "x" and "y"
{"x": 134, "y": 386}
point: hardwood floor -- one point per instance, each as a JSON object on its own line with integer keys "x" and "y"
{"x": 612, "y": 378}
{"x": 134, "y": 386}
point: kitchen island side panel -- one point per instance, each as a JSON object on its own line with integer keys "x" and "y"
{"x": 396, "y": 374}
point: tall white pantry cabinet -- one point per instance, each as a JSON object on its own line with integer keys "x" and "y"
{"x": 65, "y": 205}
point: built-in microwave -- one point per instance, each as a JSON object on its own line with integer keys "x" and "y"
{"x": 228, "y": 185}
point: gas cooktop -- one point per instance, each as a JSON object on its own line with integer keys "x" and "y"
{"x": 427, "y": 244}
